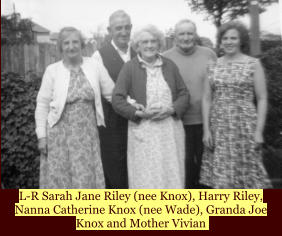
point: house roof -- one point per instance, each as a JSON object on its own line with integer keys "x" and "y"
{"x": 54, "y": 36}
{"x": 38, "y": 28}
{"x": 269, "y": 36}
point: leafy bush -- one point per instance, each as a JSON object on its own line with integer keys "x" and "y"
{"x": 269, "y": 44}
{"x": 15, "y": 30}
{"x": 19, "y": 154}
{"x": 272, "y": 62}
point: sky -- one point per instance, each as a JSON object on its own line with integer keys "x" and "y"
{"x": 92, "y": 15}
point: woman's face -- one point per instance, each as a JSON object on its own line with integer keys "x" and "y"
{"x": 148, "y": 46}
{"x": 71, "y": 45}
{"x": 230, "y": 42}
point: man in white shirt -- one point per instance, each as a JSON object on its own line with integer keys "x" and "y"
{"x": 113, "y": 138}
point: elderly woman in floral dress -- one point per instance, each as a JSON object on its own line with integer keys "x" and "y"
{"x": 152, "y": 95}
{"x": 67, "y": 114}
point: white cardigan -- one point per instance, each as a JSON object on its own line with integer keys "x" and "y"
{"x": 53, "y": 92}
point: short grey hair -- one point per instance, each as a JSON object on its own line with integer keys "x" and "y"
{"x": 116, "y": 14}
{"x": 185, "y": 21}
{"x": 151, "y": 29}
{"x": 69, "y": 29}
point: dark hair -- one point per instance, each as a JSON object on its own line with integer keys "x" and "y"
{"x": 69, "y": 29}
{"x": 243, "y": 34}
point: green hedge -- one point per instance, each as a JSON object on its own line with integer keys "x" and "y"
{"x": 19, "y": 154}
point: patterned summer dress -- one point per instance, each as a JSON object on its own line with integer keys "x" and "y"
{"x": 156, "y": 148}
{"x": 73, "y": 144}
{"x": 234, "y": 162}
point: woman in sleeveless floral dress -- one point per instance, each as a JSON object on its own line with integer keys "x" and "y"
{"x": 67, "y": 114}
{"x": 158, "y": 99}
{"x": 233, "y": 126}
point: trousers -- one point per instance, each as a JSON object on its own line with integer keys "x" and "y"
{"x": 194, "y": 152}
{"x": 114, "y": 156}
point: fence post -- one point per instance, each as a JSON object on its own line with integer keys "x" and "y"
{"x": 26, "y": 59}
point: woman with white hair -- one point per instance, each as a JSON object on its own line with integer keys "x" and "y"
{"x": 67, "y": 113}
{"x": 158, "y": 99}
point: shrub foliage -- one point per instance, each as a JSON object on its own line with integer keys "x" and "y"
{"x": 19, "y": 154}
{"x": 272, "y": 62}
{"x": 266, "y": 45}
{"x": 15, "y": 31}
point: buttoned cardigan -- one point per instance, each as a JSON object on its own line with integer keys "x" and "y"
{"x": 132, "y": 81}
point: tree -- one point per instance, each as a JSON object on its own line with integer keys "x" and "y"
{"x": 204, "y": 41}
{"x": 15, "y": 30}
{"x": 220, "y": 11}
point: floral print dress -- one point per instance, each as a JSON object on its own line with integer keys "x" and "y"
{"x": 234, "y": 161}
{"x": 73, "y": 159}
{"x": 156, "y": 150}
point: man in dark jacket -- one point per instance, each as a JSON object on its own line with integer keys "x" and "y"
{"x": 113, "y": 137}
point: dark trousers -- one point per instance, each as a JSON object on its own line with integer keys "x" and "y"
{"x": 194, "y": 151}
{"x": 114, "y": 156}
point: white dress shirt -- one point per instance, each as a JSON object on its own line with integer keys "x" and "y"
{"x": 125, "y": 56}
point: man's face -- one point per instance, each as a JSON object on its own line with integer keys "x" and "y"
{"x": 185, "y": 35}
{"x": 120, "y": 30}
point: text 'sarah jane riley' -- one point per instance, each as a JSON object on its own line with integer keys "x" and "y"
{"x": 108, "y": 195}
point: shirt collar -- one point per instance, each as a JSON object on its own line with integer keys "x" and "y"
{"x": 157, "y": 63}
{"x": 119, "y": 51}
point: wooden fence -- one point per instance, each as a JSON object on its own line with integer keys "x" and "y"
{"x": 32, "y": 59}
